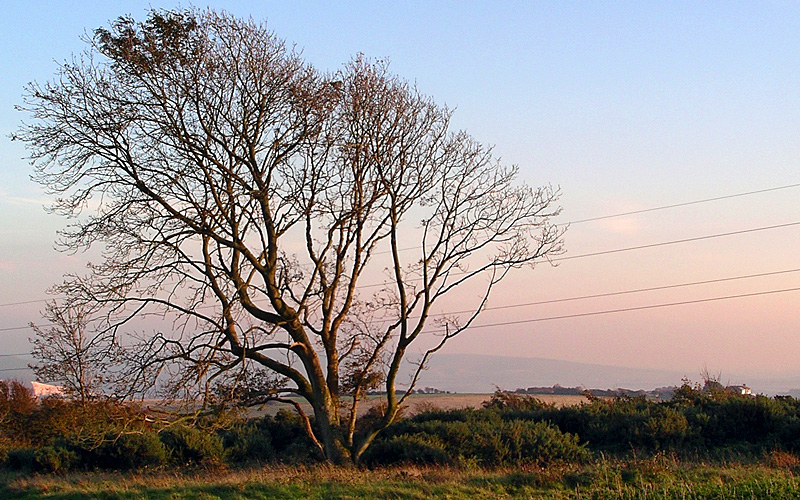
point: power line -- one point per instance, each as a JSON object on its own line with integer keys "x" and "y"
{"x": 598, "y": 295}
{"x": 609, "y": 311}
{"x": 11, "y": 329}
{"x": 673, "y": 242}
{"x": 637, "y": 308}
{"x": 653, "y": 209}
{"x": 641, "y": 247}
{"x": 626, "y": 292}
{"x": 603, "y": 252}
{"x": 684, "y": 204}
{"x": 590, "y": 219}
{"x": 23, "y": 302}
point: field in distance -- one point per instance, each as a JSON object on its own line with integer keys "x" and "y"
{"x": 452, "y": 401}
{"x": 417, "y": 403}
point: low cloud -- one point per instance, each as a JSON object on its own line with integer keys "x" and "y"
{"x": 621, "y": 225}
{"x": 21, "y": 200}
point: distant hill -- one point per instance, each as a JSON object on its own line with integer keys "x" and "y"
{"x": 479, "y": 373}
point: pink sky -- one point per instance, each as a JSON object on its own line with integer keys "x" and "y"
{"x": 624, "y": 106}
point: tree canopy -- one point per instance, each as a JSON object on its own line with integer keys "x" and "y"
{"x": 294, "y": 229}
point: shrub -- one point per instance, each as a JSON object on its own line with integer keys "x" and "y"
{"x": 288, "y": 438}
{"x": 17, "y": 403}
{"x": 21, "y": 459}
{"x": 130, "y": 451}
{"x": 419, "y": 449}
{"x": 476, "y": 435}
{"x": 29, "y": 422}
{"x": 190, "y": 445}
{"x": 502, "y": 400}
{"x": 789, "y": 434}
{"x": 541, "y": 443}
{"x": 55, "y": 458}
{"x": 247, "y": 442}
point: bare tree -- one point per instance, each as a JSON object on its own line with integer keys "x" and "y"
{"x": 68, "y": 354}
{"x": 289, "y": 224}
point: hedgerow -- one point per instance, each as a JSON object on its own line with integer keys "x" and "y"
{"x": 54, "y": 434}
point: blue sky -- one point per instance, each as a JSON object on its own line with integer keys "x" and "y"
{"x": 624, "y": 105}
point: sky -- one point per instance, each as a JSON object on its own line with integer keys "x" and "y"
{"x": 624, "y": 106}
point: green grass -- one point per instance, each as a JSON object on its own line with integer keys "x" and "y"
{"x": 645, "y": 479}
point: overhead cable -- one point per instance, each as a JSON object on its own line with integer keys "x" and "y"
{"x": 636, "y": 308}
{"x": 684, "y": 204}
{"x": 590, "y": 219}
{"x": 626, "y": 292}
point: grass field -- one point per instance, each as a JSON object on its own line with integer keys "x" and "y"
{"x": 452, "y": 401}
{"x": 656, "y": 478}
{"x": 420, "y": 402}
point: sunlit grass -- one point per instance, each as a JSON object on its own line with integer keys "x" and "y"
{"x": 660, "y": 477}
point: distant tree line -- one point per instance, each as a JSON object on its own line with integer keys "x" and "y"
{"x": 421, "y": 390}
{"x": 661, "y": 393}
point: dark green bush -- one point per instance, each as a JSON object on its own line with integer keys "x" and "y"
{"x": 22, "y": 459}
{"x": 477, "y": 435}
{"x": 56, "y": 434}
{"x": 420, "y": 449}
{"x": 130, "y": 451}
{"x": 280, "y": 438}
{"x": 55, "y": 458}
{"x": 695, "y": 423}
{"x": 190, "y": 445}
{"x": 509, "y": 401}
{"x": 247, "y": 442}
{"x": 789, "y": 434}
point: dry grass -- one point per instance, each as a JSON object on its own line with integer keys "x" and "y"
{"x": 122, "y": 484}
{"x": 659, "y": 477}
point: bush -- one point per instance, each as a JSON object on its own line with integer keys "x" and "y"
{"x": 55, "y": 458}
{"x": 502, "y": 400}
{"x": 247, "y": 442}
{"x": 476, "y": 436}
{"x": 23, "y": 459}
{"x": 279, "y": 438}
{"x": 190, "y": 445}
{"x": 419, "y": 449}
{"x": 130, "y": 451}
{"x": 26, "y": 421}
{"x": 541, "y": 443}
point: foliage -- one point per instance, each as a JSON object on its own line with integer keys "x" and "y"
{"x": 693, "y": 422}
{"x": 480, "y": 436}
{"x": 28, "y": 421}
{"x": 279, "y": 438}
{"x": 191, "y": 445}
{"x": 247, "y": 442}
{"x": 55, "y": 458}
{"x": 502, "y": 400}
{"x": 130, "y": 451}
{"x": 56, "y": 435}
{"x": 419, "y": 449}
